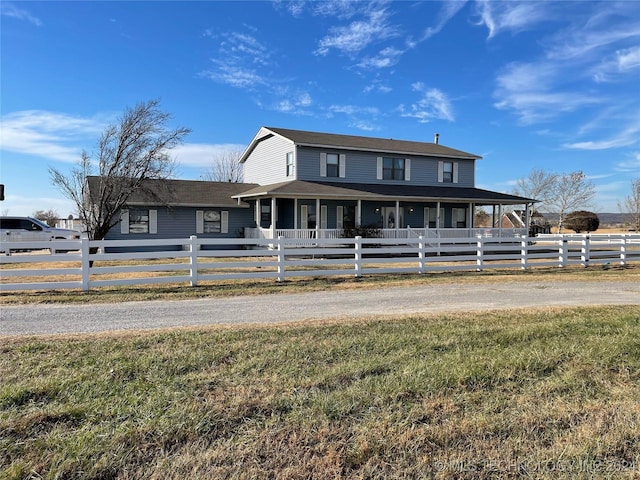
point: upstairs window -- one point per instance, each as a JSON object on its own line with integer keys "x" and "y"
{"x": 290, "y": 165}
{"x": 393, "y": 169}
{"x": 447, "y": 172}
{"x": 333, "y": 165}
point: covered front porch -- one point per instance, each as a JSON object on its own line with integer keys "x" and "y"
{"x": 314, "y": 211}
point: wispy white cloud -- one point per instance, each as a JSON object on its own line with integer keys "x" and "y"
{"x": 630, "y": 164}
{"x": 51, "y": 135}
{"x": 625, "y": 138}
{"x": 622, "y": 62}
{"x": 239, "y": 61}
{"x": 387, "y": 57}
{"x": 202, "y": 154}
{"x": 535, "y": 92}
{"x": 510, "y": 16}
{"x": 359, "y": 34}
{"x": 432, "y": 105}
{"x": 8, "y": 9}
{"x": 449, "y": 10}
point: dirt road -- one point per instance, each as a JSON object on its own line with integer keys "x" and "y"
{"x": 278, "y": 308}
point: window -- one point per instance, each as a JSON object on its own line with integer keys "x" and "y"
{"x": 265, "y": 214}
{"x": 458, "y": 219}
{"x": 346, "y": 216}
{"x": 212, "y": 221}
{"x": 393, "y": 168}
{"x": 138, "y": 221}
{"x": 333, "y": 165}
{"x": 290, "y": 165}
{"x": 447, "y": 172}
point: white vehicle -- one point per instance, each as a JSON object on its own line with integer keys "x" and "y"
{"x": 27, "y": 229}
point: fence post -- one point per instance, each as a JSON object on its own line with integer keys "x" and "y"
{"x": 585, "y": 251}
{"x": 421, "y": 254}
{"x": 281, "y": 257}
{"x": 524, "y": 250}
{"x": 623, "y": 251}
{"x": 85, "y": 264}
{"x": 193, "y": 260}
{"x": 479, "y": 253}
{"x": 562, "y": 253}
{"x": 358, "y": 256}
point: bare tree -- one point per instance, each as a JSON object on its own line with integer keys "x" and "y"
{"x": 50, "y": 217}
{"x": 226, "y": 167}
{"x": 129, "y": 153}
{"x": 570, "y": 191}
{"x": 539, "y": 185}
{"x": 631, "y": 205}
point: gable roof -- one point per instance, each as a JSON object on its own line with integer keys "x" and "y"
{"x": 370, "y": 191}
{"x": 183, "y": 193}
{"x": 353, "y": 142}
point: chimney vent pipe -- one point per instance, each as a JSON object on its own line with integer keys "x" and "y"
{"x": 436, "y": 138}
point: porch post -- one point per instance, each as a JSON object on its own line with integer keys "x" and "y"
{"x": 257, "y": 215}
{"x": 273, "y": 216}
{"x": 470, "y": 216}
{"x": 500, "y": 220}
{"x": 317, "y": 215}
{"x": 397, "y": 216}
{"x": 359, "y": 213}
{"x": 438, "y": 214}
{"x": 295, "y": 213}
{"x": 527, "y": 221}
{"x": 493, "y": 216}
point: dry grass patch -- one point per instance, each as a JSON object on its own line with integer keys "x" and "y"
{"x": 542, "y": 393}
{"x": 210, "y": 289}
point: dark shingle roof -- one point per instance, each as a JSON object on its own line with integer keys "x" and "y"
{"x": 366, "y": 191}
{"x": 184, "y": 193}
{"x": 382, "y": 145}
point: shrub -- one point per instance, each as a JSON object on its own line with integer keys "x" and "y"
{"x": 582, "y": 221}
{"x": 364, "y": 231}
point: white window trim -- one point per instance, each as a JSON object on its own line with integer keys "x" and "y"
{"x": 323, "y": 217}
{"x": 342, "y": 165}
{"x": 153, "y": 222}
{"x": 379, "y": 169}
{"x": 199, "y": 221}
{"x": 323, "y": 164}
{"x": 339, "y": 216}
{"x": 304, "y": 216}
{"x": 407, "y": 169}
{"x": 124, "y": 222}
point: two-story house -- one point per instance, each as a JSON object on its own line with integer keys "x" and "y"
{"x": 310, "y": 180}
{"x": 307, "y": 184}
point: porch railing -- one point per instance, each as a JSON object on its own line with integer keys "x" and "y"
{"x": 400, "y": 233}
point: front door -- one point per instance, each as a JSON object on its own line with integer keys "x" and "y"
{"x": 389, "y": 219}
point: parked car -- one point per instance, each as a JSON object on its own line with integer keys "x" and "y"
{"x": 26, "y": 229}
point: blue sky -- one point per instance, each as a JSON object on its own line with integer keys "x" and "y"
{"x": 551, "y": 85}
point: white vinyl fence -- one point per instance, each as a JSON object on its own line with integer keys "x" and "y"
{"x": 195, "y": 260}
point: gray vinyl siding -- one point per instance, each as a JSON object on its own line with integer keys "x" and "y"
{"x": 267, "y": 164}
{"x": 180, "y": 222}
{"x": 361, "y": 167}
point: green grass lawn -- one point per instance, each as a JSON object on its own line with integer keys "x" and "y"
{"x": 549, "y": 393}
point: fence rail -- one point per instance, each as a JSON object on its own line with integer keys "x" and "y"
{"x": 88, "y": 264}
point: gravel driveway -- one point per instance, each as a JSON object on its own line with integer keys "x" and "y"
{"x": 262, "y": 309}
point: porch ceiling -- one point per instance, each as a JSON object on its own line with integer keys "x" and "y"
{"x": 366, "y": 191}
